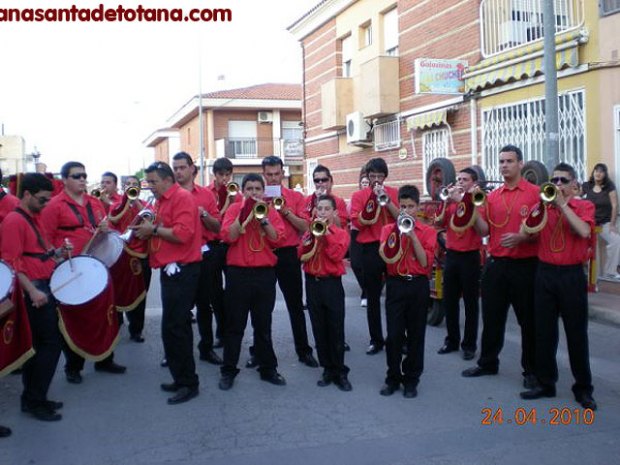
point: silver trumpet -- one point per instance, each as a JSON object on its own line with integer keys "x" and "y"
{"x": 444, "y": 193}
{"x": 146, "y": 214}
{"x": 382, "y": 197}
{"x": 405, "y": 223}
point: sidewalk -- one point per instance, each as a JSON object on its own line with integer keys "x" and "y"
{"x": 605, "y": 307}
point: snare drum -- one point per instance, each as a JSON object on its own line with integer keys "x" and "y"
{"x": 79, "y": 280}
{"x": 107, "y": 247}
{"x": 7, "y": 280}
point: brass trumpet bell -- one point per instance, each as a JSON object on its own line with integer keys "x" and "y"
{"x": 318, "y": 228}
{"x": 132, "y": 193}
{"x": 279, "y": 202}
{"x": 405, "y": 224}
{"x": 478, "y": 198}
{"x": 548, "y": 192}
{"x": 260, "y": 210}
{"x": 96, "y": 193}
{"x": 232, "y": 188}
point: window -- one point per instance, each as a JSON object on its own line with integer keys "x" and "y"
{"x": 609, "y": 7}
{"x": 310, "y": 165}
{"x": 366, "y": 35}
{"x": 434, "y": 145}
{"x": 346, "y": 56}
{"x": 390, "y": 32}
{"x": 241, "y": 139}
{"x": 292, "y": 139}
{"x": 523, "y": 124}
{"x": 387, "y": 135}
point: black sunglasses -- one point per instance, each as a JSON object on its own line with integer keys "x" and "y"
{"x": 318, "y": 180}
{"x": 77, "y": 176}
{"x": 561, "y": 179}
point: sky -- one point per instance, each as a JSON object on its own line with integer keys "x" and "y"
{"x": 93, "y": 92}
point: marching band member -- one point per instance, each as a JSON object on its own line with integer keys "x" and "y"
{"x": 462, "y": 268}
{"x": 226, "y": 193}
{"x": 355, "y": 249}
{"x": 561, "y": 288}
{"x": 75, "y": 216}
{"x": 288, "y": 268}
{"x": 132, "y": 273}
{"x": 8, "y": 202}
{"x": 109, "y": 191}
{"x": 408, "y": 248}
{"x": 174, "y": 246}
{"x": 508, "y": 276}
{"x": 322, "y": 251}
{"x": 323, "y": 183}
{"x": 184, "y": 173}
{"x": 371, "y": 209}
{"x": 250, "y": 280}
{"x": 29, "y": 252}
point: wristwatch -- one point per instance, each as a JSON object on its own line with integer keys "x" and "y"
{"x": 204, "y": 214}
{"x": 155, "y": 230}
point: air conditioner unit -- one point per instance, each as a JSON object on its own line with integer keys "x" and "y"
{"x": 265, "y": 117}
{"x": 358, "y": 130}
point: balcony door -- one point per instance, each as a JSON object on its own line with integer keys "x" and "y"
{"x": 241, "y": 139}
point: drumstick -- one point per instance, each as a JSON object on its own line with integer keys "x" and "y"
{"x": 90, "y": 242}
{"x": 69, "y": 254}
{"x": 66, "y": 283}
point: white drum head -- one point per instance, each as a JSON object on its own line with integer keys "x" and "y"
{"x": 107, "y": 247}
{"x": 6, "y": 280}
{"x": 78, "y": 281}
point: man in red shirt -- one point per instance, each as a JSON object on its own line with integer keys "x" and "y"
{"x": 508, "y": 277}
{"x": 288, "y": 268}
{"x": 323, "y": 183}
{"x": 461, "y": 270}
{"x": 175, "y": 248}
{"x": 322, "y": 257}
{"x": 369, "y": 217}
{"x": 250, "y": 281}
{"x": 109, "y": 190}
{"x": 184, "y": 173}
{"x": 409, "y": 258}
{"x": 29, "y": 252}
{"x": 74, "y": 215}
{"x": 561, "y": 289}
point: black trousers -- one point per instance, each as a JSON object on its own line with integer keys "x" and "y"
{"x": 374, "y": 269}
{"x": 177, "y": 296}
{"x": 326, "y": 306}
{"x": 288, "y": 274}
{"x": 249, "y": 290}
{"x": 136, "y": 316}
{"x": 462, "y": 276}
{"x": 39, "y": 370}
{"x": 356, "y": 257}
{"x": 406, "y": 307}
{"x": 561, "y": 291}
{"x": 75, "y": 362}
{"x": 209, "y": 297}
{"x": 507, "y": 281}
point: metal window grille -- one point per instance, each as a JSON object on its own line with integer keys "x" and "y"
{"x": 434, "y": 145}
{"x": 523, "y": 124}
{"x": 387, "y": 135}
{"x": 609, "y": 7}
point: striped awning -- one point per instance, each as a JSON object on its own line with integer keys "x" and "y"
{"x": 427, "y": 120}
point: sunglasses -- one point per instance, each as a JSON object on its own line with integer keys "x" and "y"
{"x": 320, "y": 180}
{"x": 560, "y": 179}
{"x": 77, "y": 176}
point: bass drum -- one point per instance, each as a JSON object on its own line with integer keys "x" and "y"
{"x": 79, "y": 280}
{"x": 107, "y": 247}
{"x": 7, "y": 280}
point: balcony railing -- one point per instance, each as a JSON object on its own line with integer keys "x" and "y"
{"x": 387, "y": 135}
{"x": 508, "y": 24}
{"x": 252, "y": 148}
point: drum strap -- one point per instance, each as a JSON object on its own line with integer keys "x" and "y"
{"x": 41, "y": 256}
{"x": 76, "y": 212}
{"x": 2, "y": 194}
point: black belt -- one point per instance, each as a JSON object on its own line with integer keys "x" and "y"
{"x": 550, "y": 266}
{"x": 405, "y": 277}
{"x": 311, "y": 277}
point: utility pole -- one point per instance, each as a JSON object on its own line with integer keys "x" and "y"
{"x": 552, "y": 134}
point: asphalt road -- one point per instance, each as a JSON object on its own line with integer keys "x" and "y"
{"x": 124, "y": 419}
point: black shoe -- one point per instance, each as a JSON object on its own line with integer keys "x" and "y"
{"x": 136, "y": 338}
{"x": 587, "y": 401}
{"x": 374, "y": 349}
{"x": 388, "y": 389}
{"x": 538, "y": 392}
{"x": 226, "y": 382}
{"x": 308, "y": 360}
{"x": 73, "y": 377}
{"x": 446, "y": 349}
{"x": 252, "y": 362}
{"x": 347, "y": 348}
{"x": 343, "y": 383}
{"x": 218, "y": 344}
{"x": 5, "y": 432}
{"x": 164, "y": 362}
{"x": 53, "y": 404}
{"x": 183, "y": 395}
{"x": 111, "y": 367}
{"x": 41, "y": 412}
{"x": 170, "y": 387}
{"x": 469, "y": 354}
{"x": 410, "y": 391}
{"x": 325, "y": 380}
{"x": 211, "y": 357}
{"x": 530, "y": 382}
{"x": 476, "y": 371}
{"x": 273, "y": 378}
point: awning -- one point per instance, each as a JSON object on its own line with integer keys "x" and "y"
{"x": 427, "y": 120}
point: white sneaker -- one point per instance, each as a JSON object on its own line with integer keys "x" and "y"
{"x": 364, "y": 303}
{"x": 611, "y": 277}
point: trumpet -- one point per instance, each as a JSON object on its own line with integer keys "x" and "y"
{"x": 146, "y": 214}
{"x": 260, "y": 210}
{"x": 382, "y": 197}
{"x": 318, "y": 228}
{"x": 444, "y": 193}
{"x": 96, "y": 193}
{"x": 132, "y": 193}
{"x": 232, "y": 189}
{"x": 479, "y": 197}
{"x": 548, "y": 192}
{"x": 279, "y": 203}
{"x": 405, "y": 223}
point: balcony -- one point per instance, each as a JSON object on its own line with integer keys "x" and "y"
{"x": 509, "y": 24}
{"x": 336, "y": 102}
{"x": 380, "y": 92}
{"x": 248, "y": 148}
